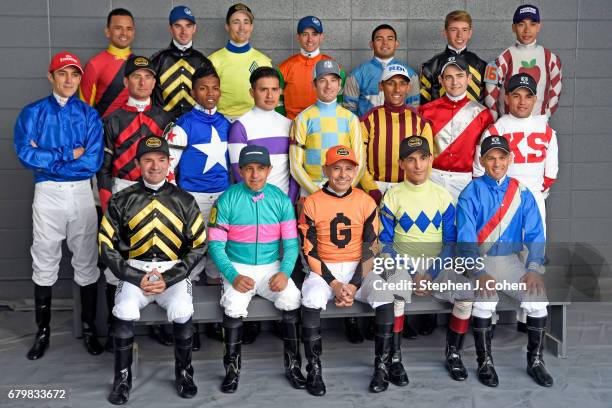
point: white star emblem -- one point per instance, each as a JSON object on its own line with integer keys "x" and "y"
{"x": 214, "y": 151}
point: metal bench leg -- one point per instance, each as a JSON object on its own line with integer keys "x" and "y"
{"x": 556, "y": 336}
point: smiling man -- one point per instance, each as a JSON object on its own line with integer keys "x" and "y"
{"x": 263, "y": 126}
{"x": 458, "y": 123}
{"x": 236, "y": 61}
{"x": 123, "y": 129}
{"x": 525, "y": 57}
{"x": 362, "y": 91}
{"x": 497, "y": 217}
{"x": 102, "y": 85}
{"x": 151, "y": 237}
{"x": 384, "y": 127}
{"x": 533, "y": 143}
{"x": 63, "y": 159}
{"x": 296, "y": 71}
{"x": 248, "y": 225}
{"x": 457, "y": 32}
{"x": 176, "y": 64}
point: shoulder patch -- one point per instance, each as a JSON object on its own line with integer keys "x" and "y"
{"x": 491, "y": 75}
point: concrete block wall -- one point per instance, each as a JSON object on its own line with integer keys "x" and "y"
{"x": 579, "y": 205}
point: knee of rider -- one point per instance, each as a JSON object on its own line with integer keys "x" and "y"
{"x": 462, "y": 309}
{"x": 180, "y": 311}
{"x": 535, "y": 309}
{"x": 289, "y": 299}
{"x": 126, "y": 310}
{"x": 482, "y": 311}
{"x": 235, "y": 306}
{"x": 315, "y": 298}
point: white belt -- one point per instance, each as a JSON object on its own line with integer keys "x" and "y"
{"x": 148, "y": 266}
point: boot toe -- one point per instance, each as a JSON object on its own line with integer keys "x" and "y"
{"x": 296, "y": 379}
{"x": 540, "y": 376}
{"x": 93, "y": 346}
{"x": 398, "y": 375}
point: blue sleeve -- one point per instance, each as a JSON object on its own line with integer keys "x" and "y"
{"x": 449, "y": 238}
{"x": 467, "y": 237}
{"x": 533, "y": 231}
{"x": 91, "y": 160}
{"x": 387, "y": 228}
{"x": 35, "y": 158}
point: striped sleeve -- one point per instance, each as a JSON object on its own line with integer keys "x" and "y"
{"x": 218, "y": 228}
{"x": 357, "y": 146}
{"x": 556, "y": 77}
{"x": 367, "y": 180}
{"x": 237, "y": 140}
{"x": 297, "y": 155}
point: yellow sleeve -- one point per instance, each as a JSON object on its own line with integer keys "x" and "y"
{"x": 357, "y": 146}
{"x": 297, "y": 145}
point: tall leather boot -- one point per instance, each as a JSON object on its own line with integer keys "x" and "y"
{"x": 183, "y": 370}
{"x": 482, "y": 339}
{"x": 397, "y": 373}
{"x": 197, "y": 344}
{"x": 232, "y": 359}
{"x": 89, "y": 303}
{"x": 42, "y": 305}
{"x": 291, "y": 345}
{"x": 454, "y": 364}
{"x": 313, "y": 348}
{"x": 109, "y": 291}
{"x": 382, "y": 350}
{"x": 535, "y": 347}
{"x": 122, "y": 384}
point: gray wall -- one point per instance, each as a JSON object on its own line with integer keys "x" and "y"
{"x": 578, "y": 30}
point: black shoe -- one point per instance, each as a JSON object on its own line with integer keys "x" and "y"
{"x": 397, "y": 373}
{"x": 313, "y": 348}
{"x": 214, "y": 331}
{"x": 482, "y": 341}
{"x": 251, "y": 331}
{"x": 351, "y": 329}
{"x": 454, "y": 364}
{"x": 409, "y": 332}
{"x": 185, "y": 387}
{"x": 122, "y": 383}
{"x": 89, "y": 304}
{"x": 232, "y": 359}
{"x": 159, "y": 334}
{"x": 183, "y": 370}
{"x": 535, "y": 347}
{"x": 428, "y": 324}
{"x": 197, "y": 344}
{"x": 41, "y": 344}
{"x": 42, "y": 310}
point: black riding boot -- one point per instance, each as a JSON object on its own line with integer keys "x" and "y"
{"x": 124, "y": 340}
{"x": 397, "y": 373}
{"x": 89, "y": 304}
{"x": 454, "y": 364}
{"x": 535, "y": 346}
{"x": 482, "y": 339}
{"x": 382, "y": 351}
{"x": 313, "y": 348}
{"x": 292, "y": 358}
{"x": 42, "y": 304}
{"x": 110, "y": 304}
{"x": 231, "y": 356}
{"x": 183, "y": 370}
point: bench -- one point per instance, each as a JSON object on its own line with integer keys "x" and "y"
{"x": 207, "y": 310}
